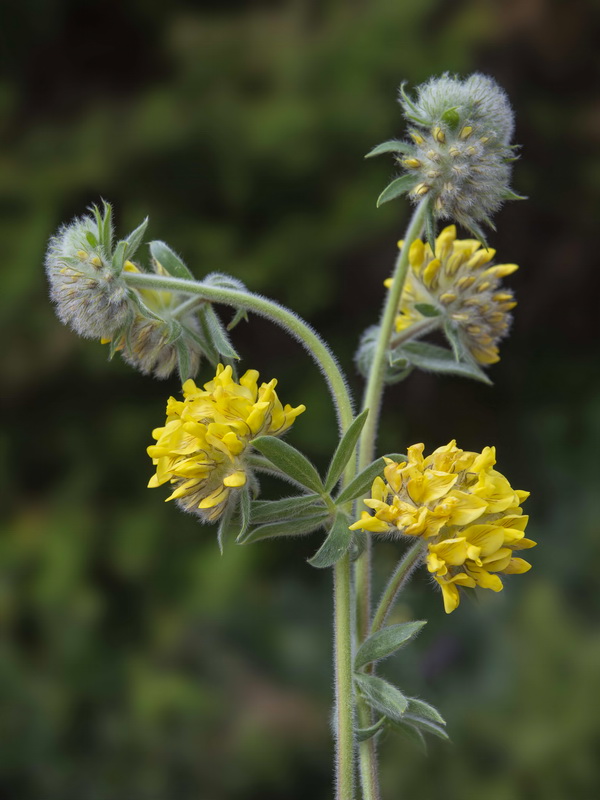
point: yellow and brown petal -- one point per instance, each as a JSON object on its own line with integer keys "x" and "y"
{"x": 459, "y": 280}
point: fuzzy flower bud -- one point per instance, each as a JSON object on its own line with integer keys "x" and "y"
{"x": 460, "y": 152}
{"x": 88, "y": 293}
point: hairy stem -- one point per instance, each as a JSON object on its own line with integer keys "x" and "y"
{"x": 283, "y": 317}
{"x": 372, "y": 401}
{"x": 344, "y": 696}
{"x": 402, "y": 573}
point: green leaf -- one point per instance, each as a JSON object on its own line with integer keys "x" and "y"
{"x": 214, "y": 329}
{"x": 396, "y": 188}
{"x": 287, "y": 528}
{"x": 245, "y": 513}
{"x": 477, "y": 232}
{"x": 362, "y": 483}
{"x": 423, "y": 710}
{"x": 105, "y": 227}
{"x": 183, "y": 360}
{"x": 451, "y": 117}
{"x": 240, "y": 314}
{"x": 438, "y": 359}
{"x": 290, "y": 461}
{"x": 344, "y": 450}
{"x": 397, "y": 457}
{"x": 118, "y": 259}
{"x": 409, "y": 732}
{"x": 364, "y": 734}
{"x": 430, "y": 226}
{"x": 453, "y": 337}
{"x": 91, "y": 239}
{"x": 425, "y": 725}
{"x": 277, "y": 510}
{"x": 427, "y": 310}
{"x": 391, "y": 146}
{"x": 386, "y": 641}
{"x": 382, "y": 696}
{"x": 509, "y": 194}
{"x": 169, "y": 260}
{"x": 335, "y": 546}
{"x": 224, "y": 531}
{"x": 135, "y": 239}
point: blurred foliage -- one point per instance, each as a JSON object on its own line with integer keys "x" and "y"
{"x": 135, "y": 661}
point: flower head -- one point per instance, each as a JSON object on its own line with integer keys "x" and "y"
{"x": 89, "y": 295}
{"x": 157, "y": 329}
{"x": 463, "y": 285}
{"x": 461, "y": 155}
{"x": 466, "y": 512}
{"x": 201, "y": 450}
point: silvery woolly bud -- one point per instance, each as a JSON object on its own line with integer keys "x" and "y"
{"x": 89, "y": 294}
{"x": 460, "y": 155}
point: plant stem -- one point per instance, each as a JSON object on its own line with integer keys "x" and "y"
{"x": 405, "y": 566}
{"x": 344, "y": 695}
{"x": 338, "y": 388}
{"x": 299, "y": 329}
{"x": 372, "y": 401}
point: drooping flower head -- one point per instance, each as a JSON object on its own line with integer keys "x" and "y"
{"x": 201, "y": 450}
{"x": 87, "y": 292}
{"x": 157, "y": 330}
{"x": 460, "y": 281}
{"x": 466, "y": 512}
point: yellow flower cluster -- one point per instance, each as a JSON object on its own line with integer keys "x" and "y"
{"x": 466, "y": 511}
{"x": 200, "y": 450}
{"x": 462, "y": 285}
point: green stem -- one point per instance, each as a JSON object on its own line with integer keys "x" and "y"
{"x": 344, "y": 695}
{"x": 372, "y": 401}
{"x": 338, "y": 388}
{"x": 405, "y": 566}
{"x": 367, "y": 755}
{"x": 374, "y": 389}
{"x": 188, "y": 305}
{"x": 299, "y": 329}
{"x": 415, "y": 331}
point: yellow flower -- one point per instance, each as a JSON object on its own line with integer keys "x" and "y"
{"x": 466, "y": 511}
{"x": 459, "y": 281}
{"x": 200, "y": 450}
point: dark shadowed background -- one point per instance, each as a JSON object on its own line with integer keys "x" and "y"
{"x": 136, "y": 662}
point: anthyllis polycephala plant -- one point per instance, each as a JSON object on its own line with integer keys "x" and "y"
{"x": 450, "y": 511}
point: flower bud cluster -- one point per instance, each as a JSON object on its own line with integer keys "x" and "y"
{"x": 155, "y": 331}
{"x": 460, "y": 154}
{"x": 88, "y": 294}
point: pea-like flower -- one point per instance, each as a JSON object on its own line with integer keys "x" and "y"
{"x": 463, "y": 285}
{"x": 201, "y": 450}
{"x": 466, "y": 511}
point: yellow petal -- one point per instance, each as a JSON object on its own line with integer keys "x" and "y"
{"x": 235, "y": 480}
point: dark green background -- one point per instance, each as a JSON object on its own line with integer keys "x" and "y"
{"x": 136, "y": 663}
